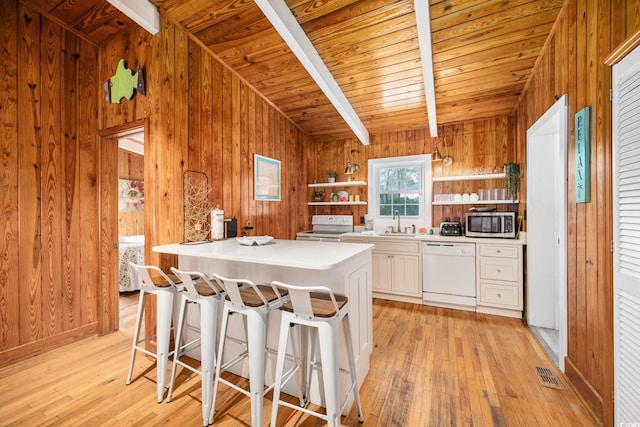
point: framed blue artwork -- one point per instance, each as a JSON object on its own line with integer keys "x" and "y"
{"x": 583, "y": 171}
{"x": 266, "y": 178}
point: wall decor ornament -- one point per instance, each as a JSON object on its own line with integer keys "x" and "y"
{"x": 195, "y": 205}
{"x": 124, "y": 83}
{"x": 583, "y": 185}
{"x": 130, "y": 195}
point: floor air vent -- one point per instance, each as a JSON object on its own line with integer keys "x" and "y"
{"x": 547, "y": 378}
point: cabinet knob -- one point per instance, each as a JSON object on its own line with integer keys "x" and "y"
{"x": 499, "y": 295}
{"x": 498, "y": 270}
{"x": 498, "y": 251}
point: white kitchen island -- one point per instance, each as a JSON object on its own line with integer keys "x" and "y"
{"x": 345, "y": 268}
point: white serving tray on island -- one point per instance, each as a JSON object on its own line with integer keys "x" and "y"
{"x": 254, "y": 240}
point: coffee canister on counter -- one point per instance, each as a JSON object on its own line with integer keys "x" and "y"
{"x": 217, "y": 223}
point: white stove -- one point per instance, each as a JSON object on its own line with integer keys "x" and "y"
{"x": 327, "y": 228}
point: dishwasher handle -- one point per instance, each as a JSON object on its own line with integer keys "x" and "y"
{"x": 450, "y": 249}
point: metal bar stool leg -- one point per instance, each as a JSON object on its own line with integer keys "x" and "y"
{"x": 178, "y": 345}
{"x": 136, "y": 334}
{"x": 216, "y": 381}
{"x": 330, "y": 367}
{"x": 298, "y": 363}
{"x": 352, "y": 366}
{"x": 256, "y": 342}
{"x": 208, "y": 316}
{"x": 164, "y": 303}
{"x": 282, "y": 348}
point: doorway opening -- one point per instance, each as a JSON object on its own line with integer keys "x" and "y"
{"x": 546, "y": 230}
{"x": 131, "y": 241}
{"x": 123, "y": 179}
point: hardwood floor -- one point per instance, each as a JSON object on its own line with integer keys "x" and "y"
{"x": 429, "y": 367}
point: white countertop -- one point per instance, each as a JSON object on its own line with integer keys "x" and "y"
{"x": 522, "y": 240}
{"x": 285, "y": 253}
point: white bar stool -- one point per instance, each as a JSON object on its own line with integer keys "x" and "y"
{"x": 198, "y": 289}
{"x": 154, "y": 281}
{"x": 253, "y": 302}
{"x": 320, "y": 308}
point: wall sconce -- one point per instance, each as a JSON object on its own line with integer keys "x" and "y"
{"x": 436, "y": 154}
{"x": 446, "y": 160}
{"x": 351, "y": 169}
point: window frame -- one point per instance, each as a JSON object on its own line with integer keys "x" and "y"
{"x": 421, "y": 160}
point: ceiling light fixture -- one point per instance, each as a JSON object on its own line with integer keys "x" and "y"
{"x": 423, "y": 19}
{"x": 141, "y": 12}
{"x": 278, "y": 13}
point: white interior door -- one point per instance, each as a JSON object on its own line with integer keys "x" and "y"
{"x": 546, "y": 224}
{"x": 626, "y": 235}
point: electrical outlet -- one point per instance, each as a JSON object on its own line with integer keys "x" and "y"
{"x": 248, "y": 227}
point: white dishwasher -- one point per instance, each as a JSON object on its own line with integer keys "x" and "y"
{"x": 449, "y": 275}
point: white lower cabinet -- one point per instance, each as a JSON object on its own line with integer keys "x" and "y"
{"x": 382, "y": 271}
{"x": 397, "y": 273}
{"x": 499, "y": 279}
{"x": 396, "y": 269}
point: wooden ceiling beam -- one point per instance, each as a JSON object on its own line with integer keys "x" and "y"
{"x": 141, "y": 12}
{"x": 278, "y": 13}
{"x": 423, "y": 20}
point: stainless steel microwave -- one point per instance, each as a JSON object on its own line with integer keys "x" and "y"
{"x": 491, "y": 224}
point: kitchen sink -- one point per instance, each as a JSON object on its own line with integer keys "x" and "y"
{"x": 397, "y": 235}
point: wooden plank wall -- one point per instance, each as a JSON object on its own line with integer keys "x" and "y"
{"x": 483, "y": 144}
{"x": 200, "y": 115}
{"x": 203, "y": 117}
{"x": 130, "y": 165}
{"x": 48, "y": 274}
{"x": 572, "y": 62}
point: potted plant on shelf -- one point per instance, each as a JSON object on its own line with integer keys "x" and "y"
{"x": 318, "y": 196}
{"x": 331, "y": 174}
{"x": 512, "y": 179}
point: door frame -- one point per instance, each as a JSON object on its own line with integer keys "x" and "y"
{"x": 108, "y": 301}
{"x": 554, "y": 122}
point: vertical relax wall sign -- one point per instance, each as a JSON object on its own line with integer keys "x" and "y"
{"x": 582, "y": 156}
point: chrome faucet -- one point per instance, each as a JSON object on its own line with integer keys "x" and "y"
{"x": 396, "y": 214}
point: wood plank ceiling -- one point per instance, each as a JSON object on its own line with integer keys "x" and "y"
{"x": 483, "y": 53}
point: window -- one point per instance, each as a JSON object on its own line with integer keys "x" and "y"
{"x": 399, "y": 190}
{"x": 401, "y": 185}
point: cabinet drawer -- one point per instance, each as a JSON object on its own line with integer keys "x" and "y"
{"x": 499, "y": 269}
{"x": 495, "y": 294}
{"x": 350, "y": 239}
{"x": 386, "y": 246}
{"x": 498, "y": 251}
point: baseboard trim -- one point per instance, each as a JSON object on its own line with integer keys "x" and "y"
{"x": 50, "y": 343}
{"x": 585, "y": 390}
